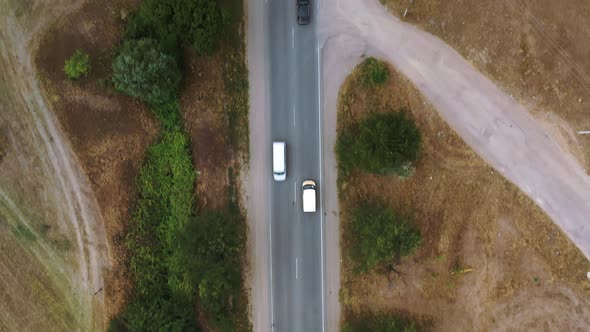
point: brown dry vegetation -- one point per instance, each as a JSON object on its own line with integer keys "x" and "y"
{"x": 110, "y": 132}
{"x": 535, "y": 50}
{"x": 490, "y": 259}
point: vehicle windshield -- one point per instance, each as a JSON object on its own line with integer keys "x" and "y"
{"x": 303, "y": 9}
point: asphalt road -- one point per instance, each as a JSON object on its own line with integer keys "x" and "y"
{"x": 297, "y": 296}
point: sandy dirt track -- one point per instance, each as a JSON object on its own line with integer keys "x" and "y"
{"x": 492, "y": 123}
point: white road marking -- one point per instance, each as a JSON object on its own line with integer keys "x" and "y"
{"x": 295, "y": 190}
{"x": 296, "y": 270}
{"x": 292, "y": 37}
{"x": 272, "y": 314}
{"x": 321, "y": 182}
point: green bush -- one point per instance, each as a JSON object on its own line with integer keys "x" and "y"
{"x": 193, "y": 22}
{"x": 373, "y": 72}
{"x": 379, "y": 235}
{"x": 168, "y": 113}
{"x": 385, "y": 143}
{"x": 164, "y": 288}
{"x": 143, "y": 71}
{"x": 213, "y": 249}
{"x": 381, "y": 323}
{"x": 77, "y": 65}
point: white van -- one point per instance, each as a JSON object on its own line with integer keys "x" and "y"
{"x": 309, "y": 196}
{"x": 279, "y": 162}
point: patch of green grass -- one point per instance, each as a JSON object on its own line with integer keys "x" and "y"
{"x": 373, "y": 73}
{"x": 23, "y": 232}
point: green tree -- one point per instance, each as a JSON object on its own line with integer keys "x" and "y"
{"x": 206, "y": 26}
{"x": 77, "y": 65}
{"x": 379, "y": 235}
{"x": 384, "y": 143}
{"x": 373, "y": 72}
{"x": 141, "y": 70}
{"x": 192, "y": 22}
{"x": 213, "y": 247}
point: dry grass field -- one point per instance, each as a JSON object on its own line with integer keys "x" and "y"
{"x": 490, "y": 258}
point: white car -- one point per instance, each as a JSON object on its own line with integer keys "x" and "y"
{"x": 279, "y": 162}
{"x": 309, "y": 196}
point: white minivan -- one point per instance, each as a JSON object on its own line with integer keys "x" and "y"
{"x": 309, "y": 196}
{"x": 279, "y": 162}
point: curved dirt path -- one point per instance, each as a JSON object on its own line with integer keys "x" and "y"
{"x": 41, "y": 172}
{"x": 492, "y": 123}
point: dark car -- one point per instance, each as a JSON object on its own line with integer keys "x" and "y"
{"x": 303, "y": 12}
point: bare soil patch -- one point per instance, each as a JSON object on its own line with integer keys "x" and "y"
{"x": 204, "y": 119}
{"x": 534, "y": 50}
{"x": 490, "y": 259}
{"x": 108, "y": 131}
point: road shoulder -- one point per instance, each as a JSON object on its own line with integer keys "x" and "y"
{"x": 256, "y": 195}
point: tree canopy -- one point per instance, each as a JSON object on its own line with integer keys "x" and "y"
{"x": 380, "y": 235}
{"x": 192, "y": 22}
{"x": 384, "y": 143}
{"x": 143, "y": 71}
{"x": 212, "y": 247}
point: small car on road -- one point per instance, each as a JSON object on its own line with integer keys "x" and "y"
{"x": 309, "y": 196}
{"x": 279, "y": 161}
{"x": 303, "y": 12}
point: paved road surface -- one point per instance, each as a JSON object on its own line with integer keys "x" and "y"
{"x": 296, "y": 237}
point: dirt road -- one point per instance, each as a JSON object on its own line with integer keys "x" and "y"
{"x": 42, "y": 182}
{"x": 492, "y": 123}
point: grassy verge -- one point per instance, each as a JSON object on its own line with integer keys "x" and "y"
{"x": 235, "y": 78}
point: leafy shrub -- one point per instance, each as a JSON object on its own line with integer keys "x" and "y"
{"x": 385, "y": 143}
{"x": 213, "y": 249}
{"x": 373, "y": 72}
{"x": 380, "y": 323}
{"x": 380, "y": 236}
{"x": 168, "y": 113}
{"x": 192, "y": 22}
{"x": 164, "y": 288}
{"x": 77, "y": 65}
{"x": 141, "y": 70}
